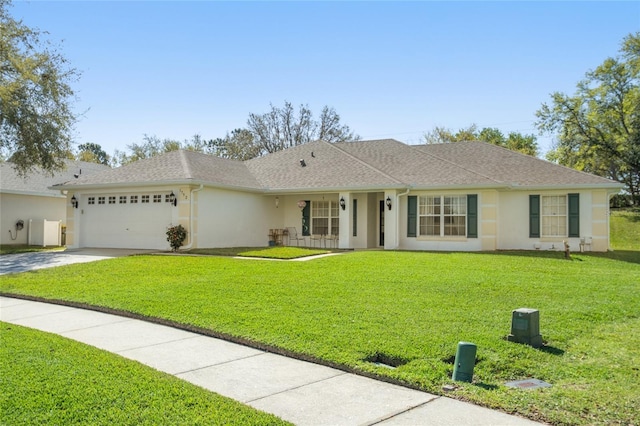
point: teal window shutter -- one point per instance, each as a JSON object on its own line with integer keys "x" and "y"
{"x": 412, "y": 215}
{"x": 306, "y": 221}
{"x": 574, "y": 215}
{"x": 472, "y": 216}
{"x": 534, "y": 216}
{"x": 355, "y": 218}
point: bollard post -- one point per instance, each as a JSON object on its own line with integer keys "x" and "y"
{"x": 464, "y": 362}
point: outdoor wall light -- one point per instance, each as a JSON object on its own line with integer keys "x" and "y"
{"x": 277, "y": 202}
{"x": 302, "y": 204}
{"x": 389, "y": 203}
{"x": 74, "y": 202}
{"x": 343, "y": 203}
{"x": 173, "y": 199}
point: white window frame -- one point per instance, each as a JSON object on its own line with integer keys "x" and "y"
{"x": 325, "y": 218}
{"x": 440, "y": 216}
{"x": 554, "y": 215}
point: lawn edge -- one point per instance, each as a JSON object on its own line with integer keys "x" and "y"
{"x": 216, "y": 334}
{"x": 260, "y": 346}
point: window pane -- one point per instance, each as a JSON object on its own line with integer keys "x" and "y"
{"x": 430, "y": 225}
{"x": 554, "y": 216}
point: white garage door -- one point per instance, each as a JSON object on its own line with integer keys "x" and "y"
{"x": 137, "y": 220}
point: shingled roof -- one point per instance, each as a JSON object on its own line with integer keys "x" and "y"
{"x": 38, "y": 182}
{"x": 509, "y": 167}
{"x": 180, "y": 166}
{"x": 361, "y": 165}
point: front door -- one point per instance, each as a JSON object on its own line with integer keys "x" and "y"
{"x": 381, "y": 222}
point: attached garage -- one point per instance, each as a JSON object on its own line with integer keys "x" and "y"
{"x": 125, "y": 220}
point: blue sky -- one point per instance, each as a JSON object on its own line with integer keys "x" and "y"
{"x": 390, "y": 69}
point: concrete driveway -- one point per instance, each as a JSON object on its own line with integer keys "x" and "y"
{"x": 23, "y": 262}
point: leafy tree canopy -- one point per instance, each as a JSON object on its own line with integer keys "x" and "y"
{"x": 283, "y": 128}
{"x": 35, "y": 98}
{"x": 514, "y": 141}
{"x": 597, "y": 129}
{"x": 92, "y": 153}
{"x": 276, "y": 130}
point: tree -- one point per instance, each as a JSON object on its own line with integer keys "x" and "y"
{"x": 151, "y": 146}
{"x": 515, "y": 141}
{"x": 92, "y": 153}
{"x": 239, "y": 145}
{"x": 598, "y": 128}
{"x": 35, "y": 98}
{"x": 282, "y": 128}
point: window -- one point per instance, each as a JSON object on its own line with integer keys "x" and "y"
{"x": 123, "y": 199}
{"x": 167, "y": 198}
{"x": 100, "y": 200}
{"x": 324, "y": 218}
{"x": 91, "y": 200}
{"x": 112, "y": 199}
{"x": 443, "y": 215}
{"x": 157, "y": 198}
{"x": 145, "y": 199}
{"x": 134, "y": 199}
{"x": 554, "y": 216}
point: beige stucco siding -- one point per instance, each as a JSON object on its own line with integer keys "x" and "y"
{"x": 234, "y": 219}
{"x": 14, "y": 207}
{"x": 513, "y": 229}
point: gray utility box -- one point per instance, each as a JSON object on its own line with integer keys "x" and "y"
{"x": 525, "y": 327}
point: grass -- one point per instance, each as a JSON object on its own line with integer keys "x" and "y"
{"x": 280, "y": 252}
{"x": 625, "y": 229}
{"x": 411, "y": 308}
{"x": 21, "y": 248}
{"x": 47, "y": 379}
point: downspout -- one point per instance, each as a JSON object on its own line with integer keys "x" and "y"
{"x": 193, "y": 191}
{"x": 398, "y": 216}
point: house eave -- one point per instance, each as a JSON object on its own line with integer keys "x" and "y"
{"x": 34, "y": 193}
{"x": 614, "y": 186}
{"x": 364, "y": 188}
{"x": 127, "y": 185}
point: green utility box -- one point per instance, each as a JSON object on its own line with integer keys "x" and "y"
{"x": 525, "y": 327}
{"x": 464, "y": 362}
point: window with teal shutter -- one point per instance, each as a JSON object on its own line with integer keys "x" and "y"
{"x": 574, "y": 215}
{"x": 306, "y": 222}
{"x": 412, "y": 215}
{"x": 472, "y": 216}
{"x": 534, "y": 216}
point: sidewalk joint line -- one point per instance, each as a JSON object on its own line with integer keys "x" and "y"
{"x": 219, "y": 363}
{"x": 340, "y": 373}
{"x": 400, "y": 412}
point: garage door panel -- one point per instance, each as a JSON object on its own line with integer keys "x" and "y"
{"x": 123, "y": 224}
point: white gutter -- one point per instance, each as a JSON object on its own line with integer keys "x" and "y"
{"x": 193, "y": 191}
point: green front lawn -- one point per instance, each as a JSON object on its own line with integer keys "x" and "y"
{"x": 401, "y": 307}
{"x": 47, "y": 379}
{"x": 21, "y": 248}
{"x": 625, "y": 229}
{"x": 407, "y": 307}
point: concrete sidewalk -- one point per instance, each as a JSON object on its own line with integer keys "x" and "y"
{"x": 300, "y": 392}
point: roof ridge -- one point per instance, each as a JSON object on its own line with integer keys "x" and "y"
{"x": 365, "y": 163}
{"x": 456, "y": 164}
{"x": 186, "y": 165}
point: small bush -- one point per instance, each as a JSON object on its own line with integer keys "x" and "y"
{"x": 176, "y": 236}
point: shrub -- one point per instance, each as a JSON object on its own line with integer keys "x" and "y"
{"x": 176, "y": 236}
